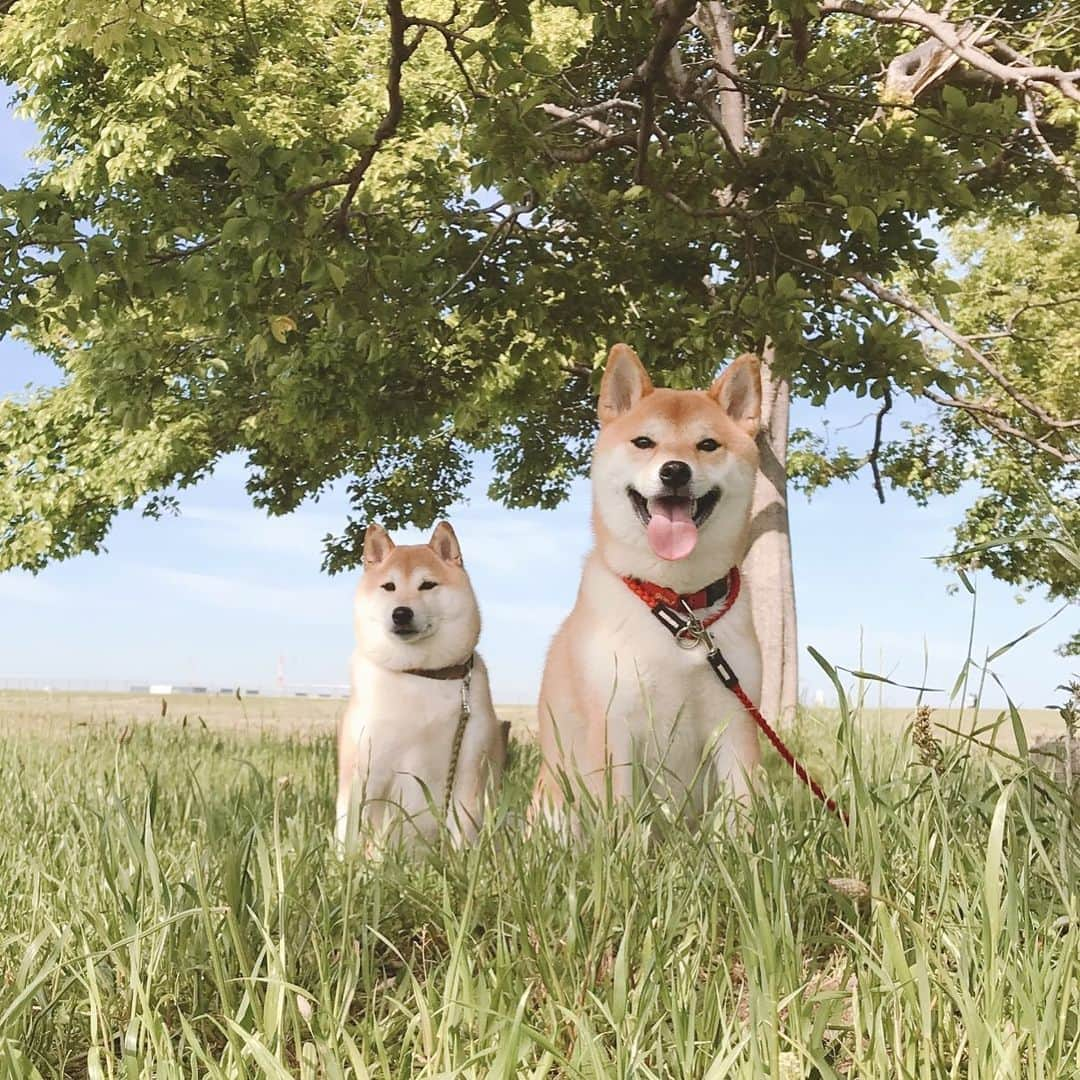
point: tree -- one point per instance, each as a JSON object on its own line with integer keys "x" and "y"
{"x": 370, "y": 243}
{"x": 1017, "y": 293}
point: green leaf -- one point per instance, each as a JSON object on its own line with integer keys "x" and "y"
{"x": 486, "y": 13}
{"x": 235, "y": 228}
{"x": 507, "y": 78}
{"x": 863, "y": 219}
{"x": 536, "y": 63}
{"x": 337, "y": 276}
{"x": 786, "y": 285}
{"x": 995, "y": 853}
{"x": 1002, "y": 649}
{"x": 882, "y": 679}
{"x": 953, "y": 96}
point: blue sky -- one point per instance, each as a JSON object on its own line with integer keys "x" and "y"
{"x": 223, "y": 594}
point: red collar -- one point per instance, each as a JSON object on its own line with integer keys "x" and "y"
{"x": 724, "y": 591}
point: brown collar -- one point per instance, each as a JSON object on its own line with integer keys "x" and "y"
{"x": 454, "y": 671}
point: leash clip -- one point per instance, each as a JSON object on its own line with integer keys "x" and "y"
{"x": 724, "y": 671}
{"x": 694, "y": 632}
{"x": 687, "y": 630}
{"x": 466, "y": 684}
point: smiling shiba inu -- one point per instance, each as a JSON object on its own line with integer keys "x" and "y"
{"x": 673, "y": 478}
{"x": 420, "y": 731}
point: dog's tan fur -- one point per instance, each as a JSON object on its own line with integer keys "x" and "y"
{"x": 395, "y": 739}
{"x": 617, "y": 691}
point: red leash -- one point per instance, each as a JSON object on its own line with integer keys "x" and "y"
{"x": 688, "y": 631}
{"x": 793, "y": 762}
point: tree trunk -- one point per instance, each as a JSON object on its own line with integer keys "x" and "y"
{"x": 768, "y": 559}
{"x": 768, "y": 562}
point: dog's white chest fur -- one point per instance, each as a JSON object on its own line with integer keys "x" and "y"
{"x": 668, "y": 710}
{"x": 398, "y": 733}
{"x": 404, "y": 726}
{"x": 622, "y": 698}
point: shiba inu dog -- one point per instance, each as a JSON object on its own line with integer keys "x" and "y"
{"x": 420, "y": 735}
{"x": 673, "y": 478}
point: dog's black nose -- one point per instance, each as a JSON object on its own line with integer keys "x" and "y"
{"x": 675, "y": 474}
{"x": 402, "y": 616}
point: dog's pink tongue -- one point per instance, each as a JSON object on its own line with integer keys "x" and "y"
{"x": 672, "y": 532}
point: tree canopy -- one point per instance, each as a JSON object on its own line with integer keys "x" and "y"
{"x": 366, "y": 243}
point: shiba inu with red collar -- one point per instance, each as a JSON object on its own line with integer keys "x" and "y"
{"x": 420, "y": 737}
{"x": 673, "y": 479}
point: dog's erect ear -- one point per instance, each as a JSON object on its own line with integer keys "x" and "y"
{"x": 738, "y": 392}
{"x": 444, "y": 543}
{"x": 624, "y": 384}
{"x": 377, "y": 545}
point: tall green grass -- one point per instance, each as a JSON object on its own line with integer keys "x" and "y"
{"x": 172, "y": 907}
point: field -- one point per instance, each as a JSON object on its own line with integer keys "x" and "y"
{"x": 173, "y": 908}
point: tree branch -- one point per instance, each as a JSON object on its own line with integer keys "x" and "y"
{"x": 182, "y": 253}
{"x": 1062, "y": 167}
{"x": 1035, "y": 305}
{"x": 585, "y": 118}
{"x": 911, "y": 73}
{"x": 450, "y": 37}
{"x": 400, "y": 51}
{"x": 503, "y": 228}
{"x": 964, "y": 344}
{"x": 875, "y": 450}
{"x": 580, "y": 154}
{"x": 572, "y": 116}
{"x": 687, "y": 89}
{"x": 717, "y": 25}
{"x": 645, "y": 130}
{"x": 994, "y": 420}
{"x": 912, "y": 15}
{"x": 726, "y": 211}
{"x": 672, "y": 15}
{"x": 722, "y": 103}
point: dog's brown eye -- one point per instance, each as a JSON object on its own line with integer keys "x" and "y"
{"x": 389, "y": 586}
{"x": 425, "y": 585}
{"x": 708, "y": 445}
{"x": 643, "y": 442}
